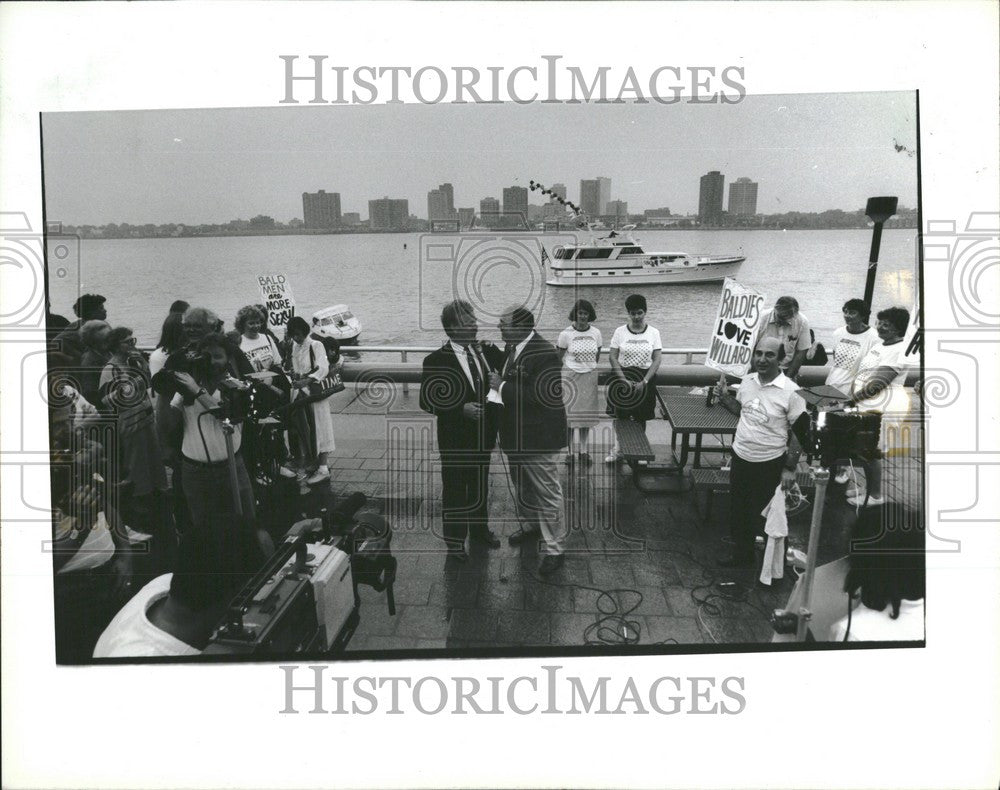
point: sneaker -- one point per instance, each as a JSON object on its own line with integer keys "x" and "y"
{"x": 873, "y": 501}
{"x": 284, "y": 471}
{"x": 321, "y": 474}
{"x": 612, "y": 458}
{"x": 853, "y": 491}
{"x": 842, "y": 477}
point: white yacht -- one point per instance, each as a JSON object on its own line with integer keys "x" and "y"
{"x": 619, "y": 259}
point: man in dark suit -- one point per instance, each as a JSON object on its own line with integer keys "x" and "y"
{"x": 454, "y": 388}
{"x": 532, "y": 432}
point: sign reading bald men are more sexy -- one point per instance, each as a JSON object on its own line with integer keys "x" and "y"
{"x": 278, "y": 300}
{"x": 734, "y": 330}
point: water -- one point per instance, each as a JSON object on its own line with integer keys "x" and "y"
{"x": 398, "y": 293}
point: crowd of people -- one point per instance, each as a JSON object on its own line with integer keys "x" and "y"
{"x": 538, "y": 399}
{"x": 181, "y": 444}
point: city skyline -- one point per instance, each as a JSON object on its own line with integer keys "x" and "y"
{"x": 204, "y": 166}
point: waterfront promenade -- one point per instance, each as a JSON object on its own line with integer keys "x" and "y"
{"x": 651, "y": 553}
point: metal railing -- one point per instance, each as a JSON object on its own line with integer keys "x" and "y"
{"x": 403, "y": 351}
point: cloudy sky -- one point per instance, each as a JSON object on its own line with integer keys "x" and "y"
{"x": 808, "y": 153}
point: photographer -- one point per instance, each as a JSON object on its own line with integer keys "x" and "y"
{"x": 175, "y": 614}
{"x": 206, "y": 407}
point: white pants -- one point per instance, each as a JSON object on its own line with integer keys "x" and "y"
{"x": 539, "y": 496}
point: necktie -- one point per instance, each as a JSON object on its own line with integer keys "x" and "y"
{"x": 509, "y": 350}
{"x": 477, "y": 376}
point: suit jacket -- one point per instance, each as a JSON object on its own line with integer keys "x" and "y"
{"x": 533, "y": 418}
{"x": 445, "y": 389}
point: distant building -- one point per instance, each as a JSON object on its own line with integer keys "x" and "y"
{"x": 670, "y": 221}
{"x": 657, "y": 212}
{"x": 617, "y": 209}
{"x": 449, "y": 194}
{"x": 515, "y": 207}
{"x": 743, "y": 198}
{"x": 351, "y": 218}
{"x": 560, "y": 190}
{"x": 466, "y": 217}
{"x": 553, "y": 211}
{"x": 604, "y": 189}
{"x": 710, "y": 197}
{"x": 489, "y": 212}
{"x": 590, "y": 197}
{"x": 389, "y": 214}
{"x": 321, "y": 210}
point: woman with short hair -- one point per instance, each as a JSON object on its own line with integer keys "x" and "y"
{"x": 635, "y": 354}
{"x": 309, "y": 366}
{"x": 579, "y": 347}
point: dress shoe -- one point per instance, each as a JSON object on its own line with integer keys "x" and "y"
{"x": 458, "y": 554}
{"x": 522, "y": 537}
{"x": 550, "y": 563}
{"x": 733, "y": 561}
{"x": 489, "y": 539}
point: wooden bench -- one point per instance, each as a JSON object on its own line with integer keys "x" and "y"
{"x": 634, "y": 447}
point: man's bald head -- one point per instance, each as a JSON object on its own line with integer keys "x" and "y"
{"x": 772, "y": 344}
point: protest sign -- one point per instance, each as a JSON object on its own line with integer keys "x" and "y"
{"x": 734, "y": 330}
{"x": 278, "y": 300}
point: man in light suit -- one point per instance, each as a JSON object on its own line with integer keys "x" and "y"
{"x": 454, "y": 387}
{"x": 532, "y": 432}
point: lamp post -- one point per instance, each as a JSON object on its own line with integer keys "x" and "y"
{"x": 878, "y": 210}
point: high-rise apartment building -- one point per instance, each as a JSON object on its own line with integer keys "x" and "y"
{"x": 617, "y": 208}
{"x": 389, "y": 214}
{"x": 710, "y": 197}
{"x": 558, "y": 190}
{"x": 594, "y": 196}
{"x": 590, "y": 197}
{"x": 515, "y": 207}
{"x": 489, "y": 212}
{"x": 466, "y": 217}
{"x": 743, "y": 198}
{"x": 321, "y": 210}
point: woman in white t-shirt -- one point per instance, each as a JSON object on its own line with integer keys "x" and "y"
{"x": 887, "y": 578}
{"x": 635, "y": 357}
{"x": 258, "y": 346}
{"x": 579, "y": 347}
{"x": 878, "y": 390}
{"x": 851, "y": 343}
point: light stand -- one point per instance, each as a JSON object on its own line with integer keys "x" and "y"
{"x": 878, "y": 210}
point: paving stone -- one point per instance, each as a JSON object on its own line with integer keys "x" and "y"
{"x": 474, "y": 624}
{"x": 611, "y": 572}
{"x": 568, "y": 629}
{"x": 539, "y": 596}
{"x": 684, "y": 629}
{"x": 412, "y": 589}
{"x": 346, "y": 463}
{"x": 456, "y": 591}
{"x": 351, "y": 475}
{"x": 524, "y": 628}
{"x": 425, "y": 622}
{"x": 494, "y": 594}
{"x": 376, "y": 620}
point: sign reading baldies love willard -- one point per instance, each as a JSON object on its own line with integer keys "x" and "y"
{"x": 734, "y": 330}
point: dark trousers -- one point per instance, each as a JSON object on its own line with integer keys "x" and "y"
{"x": 465, "y": 486}
{"x": 751, "y": 488}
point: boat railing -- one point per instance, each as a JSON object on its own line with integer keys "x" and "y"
{"x": 688, "y": 354}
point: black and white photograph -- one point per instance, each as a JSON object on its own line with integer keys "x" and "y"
{"x": 646, "y": 409}
{"x": 399, "y": 384}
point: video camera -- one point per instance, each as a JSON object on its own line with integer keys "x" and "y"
{"x": 839, "y": 433}
{"x": 305, "y": 599}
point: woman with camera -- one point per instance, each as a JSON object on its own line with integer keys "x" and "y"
{"x": 309, "y": 367}
{"x": 203, "y": 420}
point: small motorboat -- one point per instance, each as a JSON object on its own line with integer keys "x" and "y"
{"x": 339, "y": 323}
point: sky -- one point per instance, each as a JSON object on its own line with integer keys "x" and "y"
{"x": 807, "y": 152}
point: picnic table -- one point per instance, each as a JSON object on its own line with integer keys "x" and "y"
{"x": 689, "y": 416}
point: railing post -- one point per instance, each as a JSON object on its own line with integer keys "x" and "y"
{"x": 406, "y": 386}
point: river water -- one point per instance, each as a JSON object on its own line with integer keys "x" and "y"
{"x": 397, "y": 283}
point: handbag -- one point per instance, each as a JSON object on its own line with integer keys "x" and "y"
{"x": 320, "y": 390}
